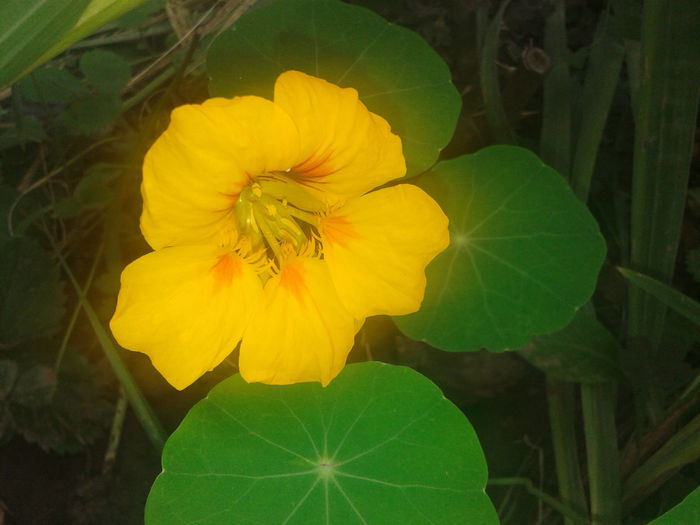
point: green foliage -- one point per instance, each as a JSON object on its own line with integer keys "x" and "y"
{"x": 524, "y": 253}
{"x": 397, "y": 75}
{"x": 31, "y": 297}
{"x": 379, "y": 443}
{"x": 584, "y": 351}
{"x": 28, "y": 29}
{"x": 686, "y": 512}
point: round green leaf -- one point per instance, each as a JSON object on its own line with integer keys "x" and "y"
{"x": 396, "y": 73}
{"x": 524, "y": 253}
{"x": 379, "y": 445}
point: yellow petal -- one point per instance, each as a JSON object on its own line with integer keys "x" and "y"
{"x": 377, "y": 247}
{"x": 194, "y": 172}
{"x": 301, "y": 332}
{"x": 345, "y": 149}
{"x": 186, "y": 308}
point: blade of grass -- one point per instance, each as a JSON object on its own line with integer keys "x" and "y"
{"x": 602, "y": 75}
{"x": 561, "y": 405}
{"x": 500, "y": 129}
{"x": 598, "y": 401}
{"x": 555, "y": 140}
{"x": 665, "y": 127}
{"x": 667, "y": 295}
{"x": 145, "y": 414}
{"x": 682, "y": 449}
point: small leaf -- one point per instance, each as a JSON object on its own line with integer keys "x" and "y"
{"x": 379, "y": 445}
{"x": 31, "y": 294}
{"x": 52, "y": 86}
{"x": 524, "y": 254}
{"x": 669, "y": 296}
{"x": 396, "y": 73}
{"x": 90, "y": 114}
{"x": 107, "y": 72}
{"x": 584, "y": 351}
{"x": 35, "y": 387}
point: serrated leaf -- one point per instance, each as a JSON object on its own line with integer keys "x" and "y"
{"x": 31, "y": 294}
{"x": 584, "y": 351}
{"x": 107, "y": 72}
{"x": 90, "y": 114}
{"x": 51, "y": 85}
{"x": 35, "y": 387}
{"x": 379, "y": 445}
{"x": 396, "y": 73}
{"x": 524, "y": 253}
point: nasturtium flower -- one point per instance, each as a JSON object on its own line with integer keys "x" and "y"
{"x": 266, "y": 232}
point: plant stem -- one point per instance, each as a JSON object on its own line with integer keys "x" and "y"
{"x": 598, "y": 401}
{"x": 553, "y": 502}
{"x": 145, "y": 414}
{"x": 561, "y": 402}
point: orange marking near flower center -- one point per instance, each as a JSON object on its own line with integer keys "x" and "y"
{"x": 316, "y": 165}
{"x": 292, "y": 279}
{"x": 227, "y": 268}
{"x": 336, "y": 229}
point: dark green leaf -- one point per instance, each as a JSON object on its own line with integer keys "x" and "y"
{"x": 107, "y": 72}
{"x": 584, "y": 351}
{"x": 52, "y": 86}
{"x": 524, "y": 253}
{"x": 89, "y": 115}
{"x": 35, "y": 387}
{"x": 397, "y": 75}
{"x": 31, "y": 294}
{"x": 692, "y": 263}
{"x": 379, "y": 445}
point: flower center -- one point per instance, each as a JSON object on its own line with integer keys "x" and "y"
{"x": 278, "y": 214}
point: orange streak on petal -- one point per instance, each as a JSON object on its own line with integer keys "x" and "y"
{"x": 292, "y": 279}
{"x": 315, "y": 165}
{"x": 336, "y": 229}
{"x": 227, "y": 268}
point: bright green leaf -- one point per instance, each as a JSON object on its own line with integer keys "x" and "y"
{"x": 524, "y": 253}
{"x": 667, "y": 295}
{"x": 685, "y": 513}
{"x": 396, "y": 73}
{"x": 107, "y": 72}
{"x": 31, "y": 294}
{"x": 584, "y": 351}
{"x": 379, "y": 445}
{"x": 29, "y": 28}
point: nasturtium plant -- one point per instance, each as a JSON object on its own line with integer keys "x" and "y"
{"x": 686, "y": 512}
{"x": 524, "y": 254}
{"x": 398, "y": 75}
{"x": 380, "y": 444}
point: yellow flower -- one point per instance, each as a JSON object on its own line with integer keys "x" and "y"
{"x": 266, "y": 232}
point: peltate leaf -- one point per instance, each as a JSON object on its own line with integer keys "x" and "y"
{"x": 685, "y": 513}
{"x": 379, "y": 445}
{"x": 524, "y": 253}
{"x": 396, "y": 73}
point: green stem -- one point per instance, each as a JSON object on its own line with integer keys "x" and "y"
{"x": 560, "y": 400}
{"x": 598, "y": 401}
{"x": 565, "y": 510}
{"x": 145, "y": 414}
